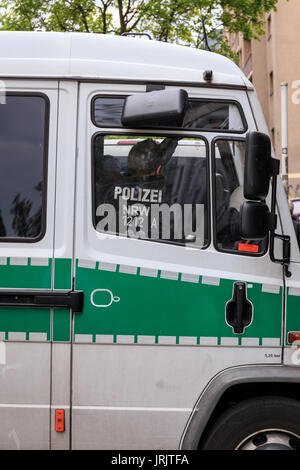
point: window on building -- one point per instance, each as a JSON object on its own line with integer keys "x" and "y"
{"x": 151, "y": 188}
{"x": 22, "y": 176}
{"x": 240, "y": 57}
{"x": 247, "y": 48}
{"x": 229, "y": 158}
{"x": 273, "y": 136}
{"x": 271, "y": 83}
{"x": 269, "y": 27}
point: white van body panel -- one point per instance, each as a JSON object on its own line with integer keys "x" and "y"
{"x": 106, "y": 57}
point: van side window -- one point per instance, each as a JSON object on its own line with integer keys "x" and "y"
{"x": 209, "y": 115}
{"x": 151, "y": 188}
{"x": 22, "y": 167}
{"x": 229, "y": 158}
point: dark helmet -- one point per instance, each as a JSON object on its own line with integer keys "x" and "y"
{"x": 142, "y": 157}
{"x": 147, "y": 156}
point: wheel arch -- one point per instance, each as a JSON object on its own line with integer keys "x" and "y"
{"x": 255, "y": 380}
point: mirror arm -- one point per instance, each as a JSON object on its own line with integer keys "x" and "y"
{"x": 274, "y": 171}
{"x": 286, "y": 239}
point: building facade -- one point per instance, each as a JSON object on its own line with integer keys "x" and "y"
{"x": 269, "y": 62}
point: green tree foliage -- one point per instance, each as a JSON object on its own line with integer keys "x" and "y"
{"x": 180, "y": 21}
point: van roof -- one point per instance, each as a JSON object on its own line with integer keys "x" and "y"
{"x": 108, "y": 57}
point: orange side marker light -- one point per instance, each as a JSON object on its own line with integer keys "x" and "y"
{"x": 293, "y": 336}
{"x": 59, "y": 420}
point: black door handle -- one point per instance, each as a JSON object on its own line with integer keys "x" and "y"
{"x": 42, "y": 298}
{"x": 239, "y": 309}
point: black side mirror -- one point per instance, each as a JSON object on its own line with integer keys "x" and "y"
{"x": 255, "y": 220}
{"x": 163, "y": 108}
{"x": 258, "y": 166}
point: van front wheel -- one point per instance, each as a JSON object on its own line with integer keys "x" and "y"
{"x": 265, "y": 423}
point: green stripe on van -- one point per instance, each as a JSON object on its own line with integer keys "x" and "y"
{"x": 30, "y": 273}
{"x": 26, "y": 275}
{"x": 21, "y": 274}
{"x": 156, "y": 306}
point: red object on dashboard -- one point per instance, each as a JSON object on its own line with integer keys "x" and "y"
{"x": 249, "y": 248}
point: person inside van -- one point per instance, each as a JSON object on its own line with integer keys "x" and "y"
{"x": 144, "y": 183}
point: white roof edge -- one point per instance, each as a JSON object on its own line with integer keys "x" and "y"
{"x": 108, "y": 57}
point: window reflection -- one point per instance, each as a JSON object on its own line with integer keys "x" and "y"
{"x": 22, "y": 142}
{"x": 294, "y": 206}
{"x": 151, "y": 188}
{"x": 229, "y": 195}
{"x": 200, "y": 114}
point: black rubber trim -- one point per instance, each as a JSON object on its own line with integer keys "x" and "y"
{"x": 79, "y": 79}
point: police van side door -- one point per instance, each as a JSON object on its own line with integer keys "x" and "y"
{"x": 28, "y": 115}
{"x": 153, "y": 331}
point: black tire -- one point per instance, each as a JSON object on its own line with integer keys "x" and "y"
{"x": 238, "y": 423}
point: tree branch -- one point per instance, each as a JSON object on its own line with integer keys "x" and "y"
{"x": 121, "y": 17}
{"x": 103, "y": 12}
{"x": 83, "y": 14}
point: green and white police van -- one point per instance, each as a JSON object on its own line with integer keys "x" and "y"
{"x": 149, "y": 264}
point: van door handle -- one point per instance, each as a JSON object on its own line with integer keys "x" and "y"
{"x": 239, "y": 309}
{"x": 42, "y": 298}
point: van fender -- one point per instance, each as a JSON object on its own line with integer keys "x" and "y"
{"x": 221, "y": 382}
